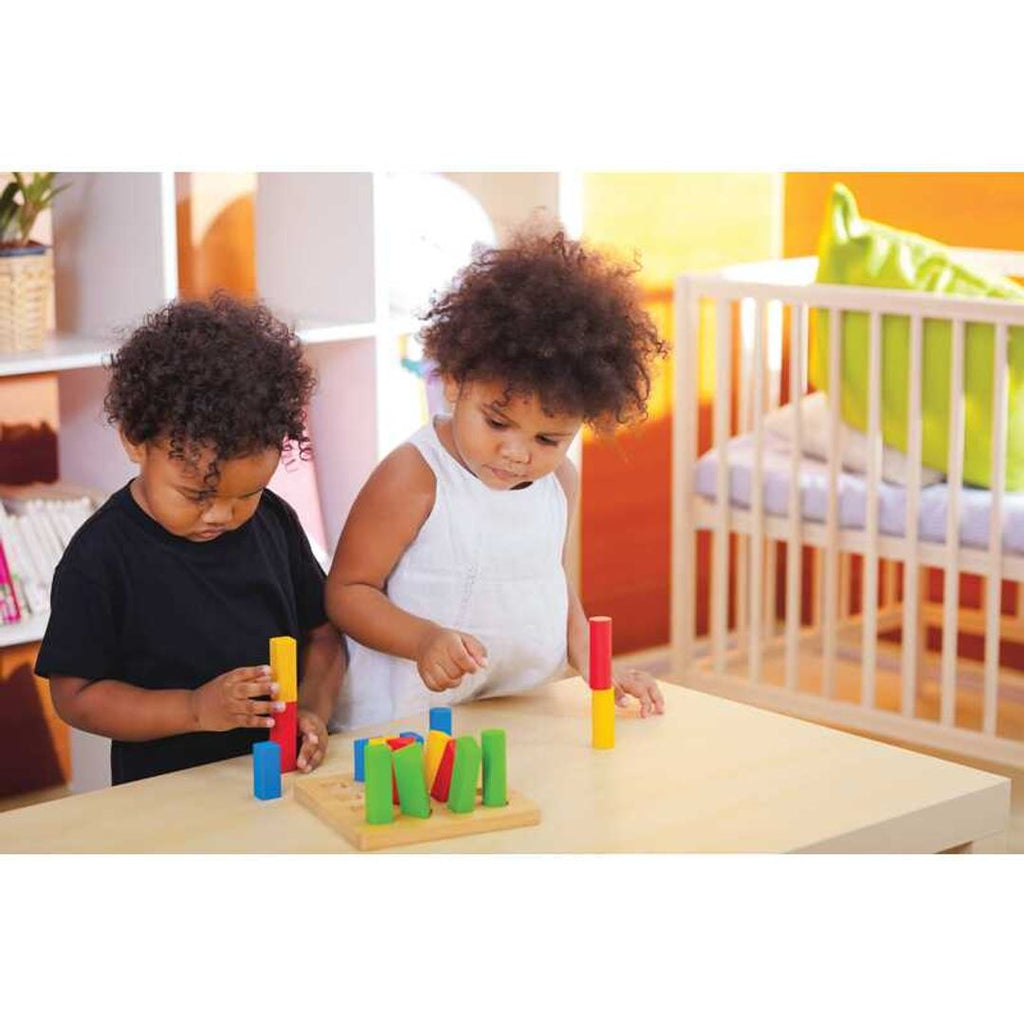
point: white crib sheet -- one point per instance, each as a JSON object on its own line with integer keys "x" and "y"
{"x": 975, "y": 503}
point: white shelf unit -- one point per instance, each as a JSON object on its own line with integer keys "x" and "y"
{"x": 320, "y": 264}
{"x": 29, "y": 630}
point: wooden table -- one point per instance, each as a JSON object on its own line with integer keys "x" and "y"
{"x": 710, "y": 775}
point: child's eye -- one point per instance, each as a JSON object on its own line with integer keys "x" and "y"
{"x": 550, "y": 442}
{"x": 496, "y": 425}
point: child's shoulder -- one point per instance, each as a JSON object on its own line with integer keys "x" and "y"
{"x": 101, "y": 538}
{"x": 405, "y": 472}
{"x": 403, "y": 479}
{"x": 569, "y": 477}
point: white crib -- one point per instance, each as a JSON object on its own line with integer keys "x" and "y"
{"x": 823, "y": 661}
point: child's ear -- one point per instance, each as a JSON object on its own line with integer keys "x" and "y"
{"x": 135, "y": 452}
{"x": 452, "y": 388}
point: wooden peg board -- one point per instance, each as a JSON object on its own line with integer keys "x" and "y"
{"x": 338, "y": 800}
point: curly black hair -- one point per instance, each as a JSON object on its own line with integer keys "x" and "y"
{"x": 222, "y": 374}
{"x": 550, "y": 318}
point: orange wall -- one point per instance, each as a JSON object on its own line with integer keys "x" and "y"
{"x": 677, "y": 222}
{"x": 978, "y": 210}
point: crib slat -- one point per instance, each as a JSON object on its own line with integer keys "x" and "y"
{"x": 869, "y": 578}
{"x": 740, "y": 541}
{"x": 771, "y": 576}
{"x": 831, "y": 554}
{"x": 684, "y": 459}
{"x": 775, "y": 318}
{"x": 994, "y": 585}
{"x": 723, "y": 404}
{"x": 794, "y": 544}
{"x": 911, "y": 568}
{"x": 755, "y": 593}
{"x": 951, "y": 580}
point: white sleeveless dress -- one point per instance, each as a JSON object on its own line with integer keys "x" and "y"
{"x": 485, "y": 562}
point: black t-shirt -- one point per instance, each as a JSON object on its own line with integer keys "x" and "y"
{"x": 132, "y": 602}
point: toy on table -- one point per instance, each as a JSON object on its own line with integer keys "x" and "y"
{"x": 266, "y": 770}
{"x": 285, "y": 672}
{"x": 602, "y": 694}
{"x": 437, "y": 786}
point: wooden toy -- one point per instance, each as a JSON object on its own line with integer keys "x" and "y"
{"x": 367, "y": 819}
{"x": 284, "y": 670}
{"x": 359, "y": 759}
{"x": 492, "y": 743}
{"x": 266, "y": 770}
{"x": 379, "y": 809}
{"x": 599, "y": 676}
{"x": 339, "y": 801}
{"x": 443, "y": 778}
{"x": 466, "y": 771}
{"x": 413, "y": 735}
{"x": 602, "y": 708}
{"x": 412, "y": 789}
{"x": 441, "y": 719}
{"x": 397, "y": 743}
{"x": 436, "y": 742}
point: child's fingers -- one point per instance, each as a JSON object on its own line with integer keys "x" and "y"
{"x": 620, "y": 696}
{"x": 463, "y": 660}
{"x": 263, "y": 707}
{"x": 437, "y": 678}
{"x": 310, "y": 752}
{"x": 249, "y": 720}
{"x": 450, "y": 667}
{"x": 248, "y": 674}
{"x": 646, "y": 704}
{"x": 657, "y": 699}
{"x": 261, "y": 688}
{"x": 476, "y": 651}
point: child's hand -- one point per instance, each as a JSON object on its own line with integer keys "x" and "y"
{"x": 446, "y": 655}
{"x": 641, "y": 685}
{"x": 231, "y": 700}
{"x": 313, "y": 733}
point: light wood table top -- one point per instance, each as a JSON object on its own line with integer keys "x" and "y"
{"x": 710, "y": 775}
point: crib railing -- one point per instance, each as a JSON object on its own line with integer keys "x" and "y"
{"x": 750, "y": 316}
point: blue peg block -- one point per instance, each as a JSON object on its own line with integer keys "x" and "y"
{"x": 360, "y": 760}
{"x": 266, "y": 770}
{"x": 441, "y": 720}
{"x": 415, "y": 735}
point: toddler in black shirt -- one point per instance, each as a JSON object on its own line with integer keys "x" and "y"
{"x": 164, "y": 601}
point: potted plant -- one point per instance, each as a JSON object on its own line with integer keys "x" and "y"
{"x": 26, "y": 266}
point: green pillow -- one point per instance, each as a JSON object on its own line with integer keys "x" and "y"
{"x": 858, "y": 252}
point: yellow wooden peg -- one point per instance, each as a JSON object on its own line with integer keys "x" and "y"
{"x": 283, "y": 667}
{"x": 602, "y": 707}
{"x": 436, "y": 742}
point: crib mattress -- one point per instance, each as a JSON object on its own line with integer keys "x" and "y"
{"x": 975, "y": 503}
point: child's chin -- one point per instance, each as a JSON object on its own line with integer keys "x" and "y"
{"x": 205, "y": 536}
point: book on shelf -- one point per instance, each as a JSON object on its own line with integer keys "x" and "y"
{"x": 37, "y": 522}
{"x": 10, "y": 608}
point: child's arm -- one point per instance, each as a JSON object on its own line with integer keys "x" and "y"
{"x": 385, "y": 519}
{"x": 323, "y": 667}
{"x": 639, "y": 684}
{"x": 109, "y": 707}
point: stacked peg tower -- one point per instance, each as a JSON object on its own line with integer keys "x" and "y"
{"x": 599, "y": 677}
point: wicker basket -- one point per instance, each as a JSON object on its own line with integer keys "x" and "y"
{"x": 25, "y": 283}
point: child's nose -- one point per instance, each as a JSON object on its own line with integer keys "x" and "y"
{"x": 218, "y": 514}
{"x": 515, "y": 452}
